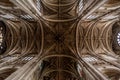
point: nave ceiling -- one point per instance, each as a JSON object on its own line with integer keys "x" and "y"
{"x": 59, "y": 39}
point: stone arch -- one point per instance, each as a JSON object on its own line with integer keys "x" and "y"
{"x": 112, "y": 73}
{"x": 6, "y": 71}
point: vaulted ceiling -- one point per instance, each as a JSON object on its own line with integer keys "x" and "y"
{"x": 60, "y": 39}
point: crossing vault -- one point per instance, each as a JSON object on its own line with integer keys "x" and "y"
{"x": 59, "y": 39}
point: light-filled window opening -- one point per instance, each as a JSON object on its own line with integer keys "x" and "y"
{"x": 118, "y": 38}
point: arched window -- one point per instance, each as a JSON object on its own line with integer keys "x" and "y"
{"x": 118, "y": 38}
{"x": 2, "y": 37}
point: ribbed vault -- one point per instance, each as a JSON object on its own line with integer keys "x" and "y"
{"x": 59, "y": 39}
